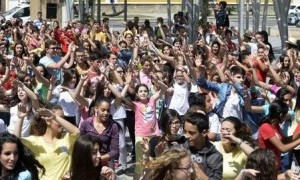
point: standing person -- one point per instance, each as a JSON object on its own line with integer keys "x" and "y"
{"x": 86, "y": 161}
{"x": 234, "y": 146}
{"x": 221, "y": 15}
{"x": 146, "y": 125}
{"x": 209, "y": 161}
{"x": 17, "y": 161}
{"x": 270, "y": 136}
{"x": 104, "y": 129}
{"x": 51, "y": 147}
{"x": 39, "y": 21}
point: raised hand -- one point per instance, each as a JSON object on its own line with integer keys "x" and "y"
{"x": 22, "y": 111}
{"x": 107, "y": 173}
{"x": 46, "y": 114}
{"x": 145, "y": 145}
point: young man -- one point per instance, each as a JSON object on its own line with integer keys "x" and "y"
{"x": 208, "y": 161}
{"x": 230, "y": 95}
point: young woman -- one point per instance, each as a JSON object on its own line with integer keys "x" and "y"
{"x": 171, "y": 124}
{"x": 30, "y": 100}
{"x": 17, "y": 161}
{"x": 234, "y": 146}
{"x": 104, "y": 129}
{"x": 49, "y": 144}
{"x": 270, "y": 135}
{"x": 86, "y": 160}
{"x": 174, "y": 164}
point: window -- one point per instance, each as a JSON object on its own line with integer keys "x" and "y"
{"x": 24, "y": 12}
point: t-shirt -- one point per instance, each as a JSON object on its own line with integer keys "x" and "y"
{"x": 267, "y": 131}
{"x": 179, "y": 101}
{"x": 145, "y": 118}
{"x": 14, "y": 118}
{"x": 24, "y": 175}
{"x": 46, "y": 61}
{"x": 233, "y": 162}
{"x": 56, "y": 158}
{"x": 232, "y": 107}
{"x": 214, "y": 122}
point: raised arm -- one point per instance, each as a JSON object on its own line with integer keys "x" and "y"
{"x": 37, "y": 74}
{"x": 33, "y": 97}
{"x": 163, "y": 87}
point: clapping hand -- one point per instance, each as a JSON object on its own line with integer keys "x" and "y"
{"x": 22, "y": 111}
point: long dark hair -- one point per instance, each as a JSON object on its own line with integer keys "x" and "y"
{"x": 262, "y": 160}
{"x": 297, "y": 106}
{"x": 82, "y": 166}
{"x": 276, "y": 110}
{"x": 26, "y": 159}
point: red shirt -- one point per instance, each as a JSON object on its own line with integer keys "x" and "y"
{"x": 297, "y": 130}
{"x": 265, "y": 132}
{"x": 261, "y": 75}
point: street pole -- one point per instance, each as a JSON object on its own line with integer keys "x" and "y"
{"x": 98, "y": 10}
{"x": 190, "y": 9}
{"x": 247, "y": 14}
{"x": 125, "y": 10}
{"x": 265, "y": 13}
{"x": 81, "y": 13}
{"x": 241, "y": 17}
{"x": 169, "y": 12}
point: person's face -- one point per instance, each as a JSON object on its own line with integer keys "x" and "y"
{"x": 73, "y": 81}
{"x": 137, "y": 40}
{"x": 166, "y": 50}
{"x": 260, "y": 52}
{"x": 147, "y": 67}
{"x": 287, "y": 99}
{"x": 142, "y": 93}
{"x": 179, "y": 77}
{"x": 208, "y": 104}
{"x": 96, "y": 157}
{"x": 112, "y": 59}
{"x": 195, "y": 138}
{"x": 19, "y": 49}
{"x": 128, "y": 38}
{"x": 39, "y": 15}
{"x": 120, "y": 71}
{"x": 27, "y": 81}
{"x": 2, "y": 35}
{"x": 285, "y": 77}
{"x": 174, "y": 126}
{"x": 286, "y": 62}
{"x": 52, "y": 50}
{"x": 41, "y": 70}
{"x": 238, "y": 78}
{"x": 184, "y": 170}
{"x": 35, "y": 35}
{"x": 79, "y": 57}
{"x": 215, "y": 48}
{"x": 54, "y": 125}
{"x": 259, "y": 37}
{"x": 227, "y": 127}
{"x": 86, "y": 45}
{"x": 9, "y": 156}
{"x": 103, "y": 111}
{"x": 106, "y": 92}
{"x": 22, "y": 95}
{"x": 177, "y": 46}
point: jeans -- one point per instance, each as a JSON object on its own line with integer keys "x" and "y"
{"x": 122, "y": 144}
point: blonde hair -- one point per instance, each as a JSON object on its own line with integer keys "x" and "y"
{"x": 163, "y": 166}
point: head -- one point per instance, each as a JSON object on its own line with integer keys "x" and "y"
{"x": 79, "y": 56}
{"x": 102, "y": 108}
{"x": 171, "y": 122}
{"x": 71, "y": 78}
{"x": 196, "y": 127}
{"x": 51, "y": 47}
{"x": 174, "y": 164}
{"x": 277, "y": 112}
{"x": 284, "y": 95}
{"x": 201, "y": 100}
{"x": 263, "y": 160}
{"x": 284, "y": 61}
{"x": 236, "y": 127}
{"x": 179, "y": 76}
{"x": 146, "y": 65}
{"x": 237, "y": 74}
{"x": 40, "y": 125}
{"x": 142, "y": 92}
{"x": 259, "y": 36}
{"x": 112, "y": 58}
{"x": 19, "y": 49}
{"x": 215, "y": 47}
{"x": 86, "y": 158}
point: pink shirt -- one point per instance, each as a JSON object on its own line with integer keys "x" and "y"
{"x": 145, "y": 118}
{"x": 145, "y": 79}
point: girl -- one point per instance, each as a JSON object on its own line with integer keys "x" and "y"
{"x": 146, "y": 125}
{"x": 270, "y": 135}
{"x": 49, "y": 144}
{"x": 17, "y": 161}
{"x": 104, "y": 129}
{"x": 86, "y": 161}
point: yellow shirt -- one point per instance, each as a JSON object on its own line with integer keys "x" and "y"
{"x": 233, "y": 162}
{"x": 56, "y": 158}
{"x": 100, "y": 36}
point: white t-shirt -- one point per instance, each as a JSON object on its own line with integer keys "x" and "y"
{"x": 179, "y": 101}
{"x": 214, "y": 123}
{"x": 66, "y": 101}
{"x": 14, "y": 118}
{"x": 232, "y": 107}
{"x": 118, "y": 112}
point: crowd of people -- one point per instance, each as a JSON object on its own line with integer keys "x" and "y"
{"x": 222, "y": 107}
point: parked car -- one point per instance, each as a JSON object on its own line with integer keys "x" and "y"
{"x": 294, "y": 9}
{"x": 21, "y": 11}
{"x": 293, "y": 19}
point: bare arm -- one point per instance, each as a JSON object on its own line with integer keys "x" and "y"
{"x": 33, "y": 97}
